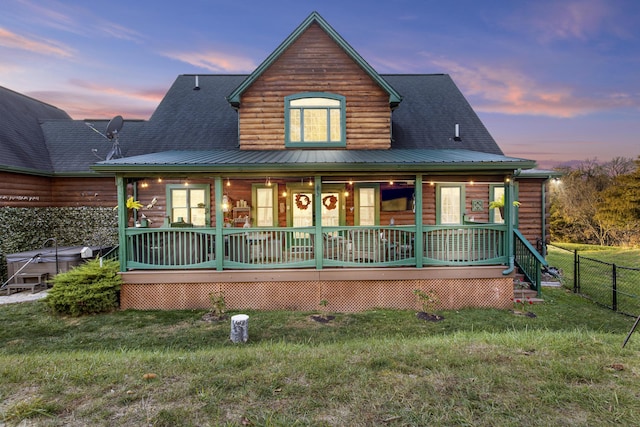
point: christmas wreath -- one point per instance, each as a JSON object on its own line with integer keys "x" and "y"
{"x": 302, "y": 201}
{"x": 330, "y": 202}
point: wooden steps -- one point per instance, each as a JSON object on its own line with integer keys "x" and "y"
{"x": 522, "y": 290}
{"x": 28, "y": 281}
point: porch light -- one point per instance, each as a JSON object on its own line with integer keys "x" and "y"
{"x": 310, "y": 182}
{"x": 268, "y": 182}
{"x": 228, "y": 182}
{"x": 159, "y": 180}
{"x": 284, "y": 193}
{"x": 225, "y": 203}
{"x": 346, "y": 194}
{"x": 471, "y": 182}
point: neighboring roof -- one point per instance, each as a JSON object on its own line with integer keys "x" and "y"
{"x": 311, "y": 161}
{"x": 539, "y": 173}
{"x": 22, "y": 145}
{"x": 314, "y": 17}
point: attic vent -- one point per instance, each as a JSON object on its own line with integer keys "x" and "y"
{"x": 197, "y": 86}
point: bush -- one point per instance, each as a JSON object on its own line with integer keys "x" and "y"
{"x": 86, "y": 289}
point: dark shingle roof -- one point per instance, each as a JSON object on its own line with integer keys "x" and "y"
{"x": 72, "y": 143}
{"x": 22, "y": 145}
{"x": 44, "y": 138}
{"x": 430, "y": 109}
{"x": 189, "y": 119}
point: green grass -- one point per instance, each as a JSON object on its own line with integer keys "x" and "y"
{"x": 381, "y": 367}
{"x": 596, "y": 273}
{"x": 628, "y": 257}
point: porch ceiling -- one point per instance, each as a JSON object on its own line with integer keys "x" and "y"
{"x": 319, "y": 161}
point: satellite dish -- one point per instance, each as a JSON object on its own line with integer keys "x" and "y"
{"x": 114, "y": 127}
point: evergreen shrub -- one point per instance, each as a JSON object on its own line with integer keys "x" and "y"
{"x": 86, "y": 289}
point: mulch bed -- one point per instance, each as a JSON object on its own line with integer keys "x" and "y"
{"x": 429, "y": 317}
{"x": 321, "y": 318}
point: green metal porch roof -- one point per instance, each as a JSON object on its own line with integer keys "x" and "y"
{"x": 310, "y": 161}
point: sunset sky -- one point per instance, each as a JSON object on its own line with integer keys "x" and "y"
{"x": 553, "y": 80}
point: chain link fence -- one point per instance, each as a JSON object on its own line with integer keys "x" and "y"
{"x": 608, "y": 284}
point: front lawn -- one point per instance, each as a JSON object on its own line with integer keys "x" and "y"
{"x": 382, "y": 367}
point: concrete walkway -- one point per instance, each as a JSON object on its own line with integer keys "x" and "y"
{"x": 21, "y": 297}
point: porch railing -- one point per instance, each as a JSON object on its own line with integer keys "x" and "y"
{"x": 528, "y": 260}
{"x": 278, "y": 247}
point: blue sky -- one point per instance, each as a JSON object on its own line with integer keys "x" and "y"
{"x": 553, "y": 80}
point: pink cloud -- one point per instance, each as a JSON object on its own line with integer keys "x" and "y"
{"x": 214, "y": 61}
{"x": 502, "y": 90}
{"x": 154, "y": 96}
{"x": 89, "y": 100}
{"x": 46, "y": 47}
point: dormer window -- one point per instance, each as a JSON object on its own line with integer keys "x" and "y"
{"x": 315, "y": 120}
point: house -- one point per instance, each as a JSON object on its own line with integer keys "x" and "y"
{"x": 317, "y": 178}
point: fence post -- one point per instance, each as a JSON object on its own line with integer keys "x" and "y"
{"x": 576, "y": 266}
{"x": 614, "y": 280}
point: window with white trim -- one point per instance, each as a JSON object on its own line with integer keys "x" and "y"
{"x": 190, "y": 203}
{"x": 315, "y": 119}
{"x": 265, "y": 200}
{"x": 367, "y": 203}
{"x": 450, "y": 199}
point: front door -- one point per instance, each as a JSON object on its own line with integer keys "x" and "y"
{"x": 302, "y": 214}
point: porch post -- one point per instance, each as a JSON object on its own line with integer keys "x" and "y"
{"x": 219, "y": 222}
{"x": 317, "y": 210}
{"x": 508, "y": 220}
{"x": 123, "y": 220}
{"x": 418, "y": 249}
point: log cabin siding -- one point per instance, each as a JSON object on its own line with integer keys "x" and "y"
{"x": 84, "y": 191}
{"x": 25, "y": 191}
{"x": 530, "y": 210}
{"x": 314, "y": 63}
{"x": 30, "y": 191}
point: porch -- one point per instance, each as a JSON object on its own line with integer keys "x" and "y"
{"x": 272, "y": 240}
{"x": 357, "y": 268}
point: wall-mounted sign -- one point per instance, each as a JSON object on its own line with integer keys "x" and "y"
{"x": 20, "y": 198}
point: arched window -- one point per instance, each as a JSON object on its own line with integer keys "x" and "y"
{"x": 315, "y": 120}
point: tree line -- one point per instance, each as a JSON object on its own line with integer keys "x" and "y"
{"x": 598, "y": 203}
